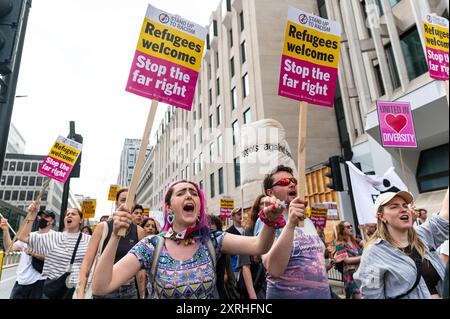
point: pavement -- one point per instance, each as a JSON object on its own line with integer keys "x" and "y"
{"x": 7, "y": 281}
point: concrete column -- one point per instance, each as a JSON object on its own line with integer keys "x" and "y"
{"x": 374, "y": 24}
{"x": 357, "y": 61}
{"x": 420, "y": 9}
{"x": 396, "y": 46}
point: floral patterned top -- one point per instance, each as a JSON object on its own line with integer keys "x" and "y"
{"x": 194, "y": 278}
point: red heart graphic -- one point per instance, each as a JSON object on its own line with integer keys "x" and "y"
{"x": 396, "y": 122}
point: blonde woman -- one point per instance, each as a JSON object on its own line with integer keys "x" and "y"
{"x": 398, "y": 261}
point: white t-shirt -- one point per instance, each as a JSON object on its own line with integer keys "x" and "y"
{"x": 443, "y": 249}
{"x": 26, "y": 274}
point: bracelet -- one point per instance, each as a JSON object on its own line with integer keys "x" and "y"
{"x": 30, "y": 220}
{"x": 279, "y": 223}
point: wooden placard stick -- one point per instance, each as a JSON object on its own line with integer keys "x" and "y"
{"x": 140, "y": 162}
{"x": 402, "y": 164}
{"x": 25, "y": 221}
{"x": 446, "y": 91}
{"x": 302, "y": 126}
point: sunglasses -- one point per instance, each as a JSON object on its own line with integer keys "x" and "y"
{"x": 348, "y": 227}
{"x": 285, "y": 182}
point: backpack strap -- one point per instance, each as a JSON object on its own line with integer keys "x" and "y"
{"x": 155, "y": 258}
{"x": 212, "y": 252}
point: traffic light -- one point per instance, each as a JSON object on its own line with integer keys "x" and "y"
{"x": 334, "y": 163}
{"x": 9, "y": 22}
{"x": 76, "y": 168}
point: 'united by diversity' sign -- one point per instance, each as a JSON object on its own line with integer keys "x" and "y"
{"x": 62, "y": 157}
{"x": 436, "y": 34}
{"x": 309, "y": 65}
{"x": 167, "y": 60}
{"x": 396, "y": 124}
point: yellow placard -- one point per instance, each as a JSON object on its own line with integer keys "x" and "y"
{"x": 113, "y": 189}
{"x": 436, "y": 37}
{"x": 310, "y": 45}
{"x": 1, "y": 263}
{"x": 227, "y": 203}
{"x": 319, "y": 211}
{"x": 146, "y": 211}
{"x": 88, "y": 208}
{"x": 170, "y": 44}
{"x": 64, "y": 152}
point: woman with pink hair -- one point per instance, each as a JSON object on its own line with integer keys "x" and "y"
{"x": 185, "y": 266}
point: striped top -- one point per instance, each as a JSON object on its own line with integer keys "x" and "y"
{"x": 58, "y": 248}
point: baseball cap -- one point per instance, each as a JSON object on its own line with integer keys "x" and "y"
{"x": 235, "y": 211}
{"x": 384, "y": 198}
{"x": 48, "y": 213}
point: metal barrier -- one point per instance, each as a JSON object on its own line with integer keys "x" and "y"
{"x": 334, "y": 274}
{"x": 11, "y": 260}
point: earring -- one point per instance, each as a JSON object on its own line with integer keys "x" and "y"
{"x": 171, "y": 217}
{"x": 198, "y": 218}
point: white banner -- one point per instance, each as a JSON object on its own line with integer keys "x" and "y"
{"x": 366, "y": 189}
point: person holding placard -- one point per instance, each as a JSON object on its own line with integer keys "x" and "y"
{"x": 185, "y": 267}
{"x": 295, "y": 264}
{"x": 399, "y": 261}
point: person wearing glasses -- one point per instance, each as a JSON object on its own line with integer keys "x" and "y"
{"x": 295, "y": 265}
{"x": 351, "y": 247}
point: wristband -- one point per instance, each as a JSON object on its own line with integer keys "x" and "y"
{"x": 279, "y": 223}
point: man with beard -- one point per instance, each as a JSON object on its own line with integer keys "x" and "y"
{"x": 29, "y": 283}
{"x": 295, "y": 264}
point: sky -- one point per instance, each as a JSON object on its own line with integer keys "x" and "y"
{"x": 75, "y": 64}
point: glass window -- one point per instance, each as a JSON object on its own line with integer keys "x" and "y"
{"x": 233, "y": 98}
{"x": 10, "y": 180}
{"x": 200, "y": 111}
{"x": 16, "y": 180}
{"x": 247, "y": 116}
{"x": 379, "y": 78}
{"x": 1, "y": 194}
{"x": 200, "y": 184}
{"x": 15, "y": 195}
{"x": 414, "y": 54}
{"x": 432, "y": 170}
{"x": 209, "y": 71}
{"x": 211, "y": 182}
{"x": 241, "y": 20}
{"x": 232, "y": 71}
{"x": 245, "y": 85}
{"x": 12, "y": 166}
{"x": 25, "y": 181}
{"x": 27, "y": 166}
{"x": 218, "y": 86}
{"x": 211, "y": 152}
{"x": 235, "y": 127}
{"x": 5, "y": 165}
{"x": 217, "y": 60}
{"x": 7, "y": 195}
{"x": 34, "y": 167}
{"x": 230, "y": 37}
{"x": 211, "y": 121}
{"x": 19, "y": 166}
{"x": 219, "y": 115}
{"x": 29, "y": 195}
{"x": 3, "y": 180}
{"x": 219, "y": 146}
{"x": 22, "y": 195}
{"x": 200, "y": 162}
{"x": 221, "y": 180}
{"x": 210, "y": 97}
{"x": 237, "y": 172}
{"x": 322, "y": 9}
{"x": 393, "y": 72}
{"x": 39, "y": 181}
{"x": 243, "y": 52}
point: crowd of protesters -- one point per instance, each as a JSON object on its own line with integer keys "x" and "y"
{"x": 268, "y": 255}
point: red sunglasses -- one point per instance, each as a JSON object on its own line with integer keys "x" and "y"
{"x": 285, "y": 182}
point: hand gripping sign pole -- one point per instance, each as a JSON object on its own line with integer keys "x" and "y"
{"x": 302, "y": 124}
{"x": 25, "y": 221}
{"x": 140, "y": 162}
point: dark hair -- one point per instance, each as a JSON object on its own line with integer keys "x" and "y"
{"x": 120, "y": 192}
{"x": 214, "y": 220}
{"x": 268, "y": 181}
{"x": 137, "y": 206}
{"x": 88, "y": 228}
{"x": 254, "y": 212}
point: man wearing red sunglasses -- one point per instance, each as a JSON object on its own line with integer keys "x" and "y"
{"x": 295, "y": 264}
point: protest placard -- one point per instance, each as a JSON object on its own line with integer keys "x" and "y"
{"x": 396, "y": 124}
{"x": 167, "y": 59}
{"x": 226, "y": 207}
{"x": 146, "y": 212}
{"x": 319, "y": 214}
{"x": 113, "y": 189}
{"x": 62, "y": 157}
{"x": 88, "y": 208}
{"x": 309, "y": 64}
{"x": 436, "y": 36}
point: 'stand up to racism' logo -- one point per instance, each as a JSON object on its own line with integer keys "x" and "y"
{"x": 303, "y": 18}
{"x": 164, "y": 18}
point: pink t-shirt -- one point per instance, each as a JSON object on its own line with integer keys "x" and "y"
{"x": 305, "y": 276}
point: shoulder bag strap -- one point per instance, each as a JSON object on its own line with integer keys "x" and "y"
{"x": 99, "y": 252}
{"x": 212, "y": 252}
{"x": 155, "y": 258}
{"x": 418, "y": 261}
{"x": 75, "y": 252}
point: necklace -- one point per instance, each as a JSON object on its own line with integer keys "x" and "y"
{"x": 179, "y": 238}
{"x": 406, "y": 250}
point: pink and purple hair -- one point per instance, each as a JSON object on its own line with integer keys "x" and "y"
{"x": 201, "y": 227}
